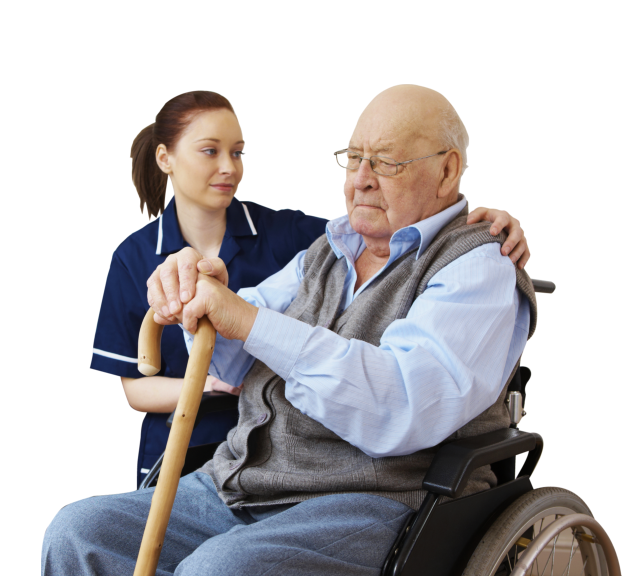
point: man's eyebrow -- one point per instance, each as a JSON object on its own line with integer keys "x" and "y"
{"x": 375, "y": 150}
{"x": 216, "y": 140}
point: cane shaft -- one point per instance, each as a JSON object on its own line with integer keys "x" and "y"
{"x": 178, "y": 441}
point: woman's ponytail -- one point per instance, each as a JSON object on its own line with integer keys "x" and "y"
{"x": 149, "y": 180}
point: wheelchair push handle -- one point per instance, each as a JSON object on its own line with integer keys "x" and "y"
{"x": 180, "y": 432}
{"x": 544, "y": 286}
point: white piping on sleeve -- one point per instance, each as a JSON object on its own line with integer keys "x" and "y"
{"x": 115, "y": 356}
{"x": 251, "y": 224}
{"x": 160, "y": 236}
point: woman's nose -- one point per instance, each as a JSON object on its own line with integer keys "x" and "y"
{"x": 226, "y": 164}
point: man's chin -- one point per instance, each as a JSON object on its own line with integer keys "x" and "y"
{"x": 371, "y": 227}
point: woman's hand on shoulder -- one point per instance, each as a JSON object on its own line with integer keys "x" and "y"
{"x": 173, "y": 283}
{"x": 516, "y": 244}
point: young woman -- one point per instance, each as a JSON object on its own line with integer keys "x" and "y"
{"x": 197, "y": 142}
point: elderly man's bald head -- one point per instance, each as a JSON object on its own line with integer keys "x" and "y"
{"x": 416, "y": 113}
{"x": 420, "y": 130}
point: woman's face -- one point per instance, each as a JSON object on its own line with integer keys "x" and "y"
{"x": 206, "y": 164}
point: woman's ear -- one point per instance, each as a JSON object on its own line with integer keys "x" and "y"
{"x": 163, "y": 160}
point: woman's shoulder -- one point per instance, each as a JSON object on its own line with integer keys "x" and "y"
{"x": 286, "y": 220}
{"x": 279, "y": 214}
{"x": 140, "y": 244}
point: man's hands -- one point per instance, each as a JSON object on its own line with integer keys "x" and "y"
{"x": 516, "y": 244}
{"x": 173, "y": 283}
{"x": 187, "y": 287}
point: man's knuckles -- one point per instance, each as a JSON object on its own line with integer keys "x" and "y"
{"x": 185, "y": 268}
{"x": 166, "y": 273}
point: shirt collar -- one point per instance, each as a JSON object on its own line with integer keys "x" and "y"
{"x": 170, "y": 239}
{"x": 346, "y": 242}
{"x": 239, "y": 222}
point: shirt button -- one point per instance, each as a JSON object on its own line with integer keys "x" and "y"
{"x": 262, "y": 418}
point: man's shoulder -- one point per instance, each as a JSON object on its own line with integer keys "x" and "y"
{"x": 453, "y": 242}
{"x": 458, "y": 235}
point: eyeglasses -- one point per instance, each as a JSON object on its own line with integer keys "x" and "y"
{"x": 379, "y": 164}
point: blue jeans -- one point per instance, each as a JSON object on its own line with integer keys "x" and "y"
{"x": 348, "y": 534}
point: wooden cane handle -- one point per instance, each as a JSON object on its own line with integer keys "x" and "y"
{"x": 149, "y": 358}
{"x": 178, "y": 441}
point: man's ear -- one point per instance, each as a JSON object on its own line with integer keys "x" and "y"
{"x": 163, "y": 160}
{"x": 452, "y": 168}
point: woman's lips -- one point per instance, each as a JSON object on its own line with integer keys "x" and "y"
{"x": 223, "y": 187}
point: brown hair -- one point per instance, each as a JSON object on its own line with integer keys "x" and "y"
{"x": 149, "y": 180}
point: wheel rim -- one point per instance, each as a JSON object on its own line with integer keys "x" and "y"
{"x": 571, "y": 552}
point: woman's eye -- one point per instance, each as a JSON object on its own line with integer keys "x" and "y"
{"x": 214, "y": 152}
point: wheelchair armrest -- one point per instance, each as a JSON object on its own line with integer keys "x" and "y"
{"x": 211, "y": 402}
{"x": 455, "y": 461}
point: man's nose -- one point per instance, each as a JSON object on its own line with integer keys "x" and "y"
{"x": 365, "y": 178}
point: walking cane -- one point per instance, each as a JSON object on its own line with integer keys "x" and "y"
{"x": 180, "y": 432}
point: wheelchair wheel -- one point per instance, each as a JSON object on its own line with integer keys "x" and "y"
{"x": 564, "y": 549}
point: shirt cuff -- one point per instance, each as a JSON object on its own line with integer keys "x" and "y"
{"x": 277, "y": 340}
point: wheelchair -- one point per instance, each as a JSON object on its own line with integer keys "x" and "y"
{"x": 509, "y": 530}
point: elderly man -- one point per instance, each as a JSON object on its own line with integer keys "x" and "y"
{"x": 397, "y": 329}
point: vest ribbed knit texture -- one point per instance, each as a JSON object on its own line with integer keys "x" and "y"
{"x": 277, "y": 455}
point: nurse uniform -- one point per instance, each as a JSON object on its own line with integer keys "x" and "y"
{"x": 258, "y": 242}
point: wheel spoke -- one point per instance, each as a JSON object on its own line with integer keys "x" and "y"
{"x": 553, "y": 559}
{"x": 550, "y": 557}
{"x": 539, "y": 531}
{"x": 552, "y": 554}
{"x": 574, "y": 542}
{"x": 583, "y": 567}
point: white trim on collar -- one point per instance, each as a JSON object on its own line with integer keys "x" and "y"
{"x": 251, "y": 224}
{"x": 160, "y": 237}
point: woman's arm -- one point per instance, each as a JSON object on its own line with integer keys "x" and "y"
{"x": 160, "y": 394}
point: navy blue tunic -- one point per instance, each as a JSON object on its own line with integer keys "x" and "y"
{"x": 258, "y": 242}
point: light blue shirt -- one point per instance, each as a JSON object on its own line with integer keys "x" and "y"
{"x": 434, "y": 370}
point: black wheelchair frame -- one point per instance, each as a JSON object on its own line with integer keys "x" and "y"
{"x": 441, "y": 537}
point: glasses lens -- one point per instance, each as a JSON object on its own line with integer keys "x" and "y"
{"x": 381, "y": 165}
{"x": 385, "y": 166}
{"x": 348, "y": 160}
